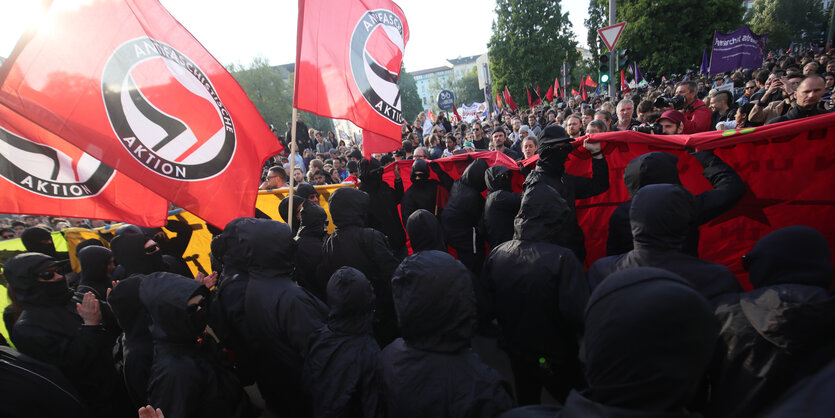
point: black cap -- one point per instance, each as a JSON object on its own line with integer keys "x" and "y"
{"x": 305, "y": 189}
{"x": 553, "y": 134}
{"x": 355, "y": 154}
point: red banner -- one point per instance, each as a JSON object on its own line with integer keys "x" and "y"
{"x": 126, "y": 83}
{"x": 550, "y": 94}
{"x": 557, "y": 86}
{"x": 589, "y": 82}
{"x": 45, "y": 175}
{"x": 348, "y": 60}
{"x": 509, "y": 100}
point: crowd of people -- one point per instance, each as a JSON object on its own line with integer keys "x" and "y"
{"x": 378, "y": 317}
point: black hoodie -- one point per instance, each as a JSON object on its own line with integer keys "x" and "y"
{"x": 129, "y": 252}
{"x": 94, "y": 262}
{"x": 364, "y": 249}
{"x": 425, "y": 231}
{"x": 186, "y": 380}
{"x": 309, "y": 242}
{"x": 50, "y": 330}
{"x": 340, "y": 368}
{"x": 537, "y": 289}
{"x": 432, "y": 370}
{"x": 35, "y": 240}
{"x": 382, "y": 210}
{"x": 661, "y": 215}
{"x": 464, "y": 208}
{"x": 136, "y": 349}
{"x": 423, "y": 193}
{"x": 662, "y": 167}
{"x": 280, "y": 314}
{"x": 501, "y": 207}
{"x": 781, "y": 331}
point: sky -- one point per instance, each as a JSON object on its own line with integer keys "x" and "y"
{"x": 237, "y": 32}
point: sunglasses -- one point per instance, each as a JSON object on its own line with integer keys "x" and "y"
{"x": 48, "y": 274}
{"x": 152, "y": 249}
{"x": 750, "y": 88}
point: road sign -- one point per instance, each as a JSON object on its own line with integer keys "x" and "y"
{"x": 446, "y": 99}
{"x": 611, "y": 34}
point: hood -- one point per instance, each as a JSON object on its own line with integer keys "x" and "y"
{"x": 370, "y": 174}
{"x": 553, "y": 152}
{"x": 129, "y": 252}
{"x": 349, "y": 207}
{"x": 649, "y": 338}
{"x": 86, "y": 243}
{"x": 34, "y": 239}
{"x": 268, "y": 244}
{"x": 165, "y": 296}
{"x": 420, "y": 171}
{"x": 126, "y": 306}
{"x": 791, "y": 316}
{"x": 351, "y": 300}
{"x": 473, "y": 176}
{"x": 660, "y": 216}
{"x": 21, "y": 272}
{"x": 795, "y": 254}
{"x": 434, "y": 300}
{"x": 498, "y": 178}
{"x": 650, "y": 168}
{"x": 541, "y": 215}
{"x": 425, "y": 231}
{"x": 228, "y": 248}
{"x": 314, "y": 220}
{"x": 94, "y": 262}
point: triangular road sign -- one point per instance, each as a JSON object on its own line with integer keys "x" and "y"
{"x": 611, "y": 34}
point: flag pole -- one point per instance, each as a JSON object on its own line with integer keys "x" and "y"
{"x": 292, "y": 170}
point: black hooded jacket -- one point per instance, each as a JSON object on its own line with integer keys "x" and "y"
{"x": 309, "y": 242}
{"x": 662, "y": 167}
{"x": 382, "y": 210}
{"x": 465, "y": 206}
{"x": 35, "y": 240}
{"x": 501, "y": 207}
{"x": 423, "y": 193}
{"x": 340, "y": 367}
{"x": 281, "y": 314}
{"x": 129, "y": 253}
{"x": 550, "y": 169}
{"x": 50, "y": 330}
{"x": 782, "y": 330}
{"x": 186, "y": 380}
{"x": 661, "y": 215}
{"x": 649, "y": 337}
{"x": 537, "y": 289}
{"x": 364, "y": 249}
{"x": 425, "y": 231}
{"x": 94, "y": 261}
{"x": 136, "y": 347}
{"x": 431, "y": 371}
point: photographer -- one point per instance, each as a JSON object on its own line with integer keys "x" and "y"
{"x": 807, "y": 96}
{"x": 777, "y": 98}
{"x": 696, "y": 113}
{"x": 670, "y": 122}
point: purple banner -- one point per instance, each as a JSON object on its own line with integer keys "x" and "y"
{"x": 741, "y": 48}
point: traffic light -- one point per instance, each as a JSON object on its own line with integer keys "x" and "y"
{"x": 604, "y": 68}
{"x": 623, "y": 58}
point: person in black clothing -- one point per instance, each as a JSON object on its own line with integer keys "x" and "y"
{"x": 96, "y": 268}
{"x": 309, "y": 242}
{"x": 780, "y": 332}
{"x": 554, "y": 148}
{"x": 808, "y": 95}
{"x": 135, "y": 349}
{"x": 537, "y": 290}
{"x": 462, "y": 213}
{"x": 38, "y": 240}
{"x": 186, "y": 378}
{"x": 661, "y": 215}
{"x": 501, "y": 206}
{"x": 432, "y": 371}
{"x": 382, "y": 214}
{"x": 365, "y": 249}
{"x": 283, "y": 210}
{"x": 425, "y": 231}
{"x": 662, "y": 167}
{"x": 340, "y": 367}
{"x": 137, "y": 254}
{"x": 423, "y": 193}
{"x": 280, "y": 314}
{"x": 52, "y": 330}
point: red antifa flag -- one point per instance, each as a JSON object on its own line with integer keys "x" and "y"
{"x": 348, "y": 60}
{"x": 537, "y": 99}
{"x": 550, "y": 94}
{"x": 126, "y": 83}
{"x": 45, "y": 175}
{"x": 788, "y": 169}
{"x": 509, "y": 100}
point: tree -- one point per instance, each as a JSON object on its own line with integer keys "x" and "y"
{"x": 668, "y": 36}
{"x": 270, "y": 89}
{"x": 410, "y": 101}
{"x": 598, "y": 17}
{"x": 531, "y": 39}
{"x": 787, "y": 21}
{"x": 466, "y": 89}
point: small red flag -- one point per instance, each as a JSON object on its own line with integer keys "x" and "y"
{"x": 348, "y": 60}
{"x": 557, "y": 86}
{"x": 127, "y": 84}
{"x": 589, "y": 82}
{"x": 585, "y": 94}
{"x": 455, "y": 112}
{"x": 574, "y": 92}
{"x": 537, "y": 91}
{"x": 623, "y": 85}
{"x": 530, "y": 102}
{"x": 537, "y": 100}
{"x": 550, "y": 94}
{"x": 499, "y": 103}
{"x": 509, "y": 100}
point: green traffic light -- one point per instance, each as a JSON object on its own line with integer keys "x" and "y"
{"x": 604, "y": 78}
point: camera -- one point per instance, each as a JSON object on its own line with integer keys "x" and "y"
{"x": 677, "y": 102}
{"x": 649, "y": 129}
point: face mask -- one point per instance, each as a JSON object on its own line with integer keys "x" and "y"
{"x": 198, "y": 316}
